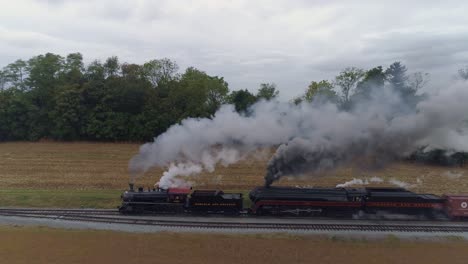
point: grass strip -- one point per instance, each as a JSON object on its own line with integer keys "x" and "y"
{"x": 69, "y": 198}
{"x": 60, "y": 198}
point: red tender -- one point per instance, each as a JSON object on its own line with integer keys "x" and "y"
{"x": 456, "y": 205}
{"x": 179, "y": 190}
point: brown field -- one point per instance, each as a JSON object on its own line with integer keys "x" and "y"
{"x": 98, "y": 166}
{"x": 92, "y": 175}
{"x": 46, "y": 245}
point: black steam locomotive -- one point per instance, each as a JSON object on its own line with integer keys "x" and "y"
{"x": 332, "y": 202}
{"x": 180, "y": 200}
{"x": 343, "y": 201}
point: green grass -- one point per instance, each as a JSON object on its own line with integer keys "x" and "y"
{"x": 60, "y": 198}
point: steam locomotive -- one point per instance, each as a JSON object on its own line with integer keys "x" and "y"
{"x": 280, "y": 201}
{"x": 180, "y": 200}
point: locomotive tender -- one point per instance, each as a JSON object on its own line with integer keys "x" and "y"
{"x": 332, "y": 202}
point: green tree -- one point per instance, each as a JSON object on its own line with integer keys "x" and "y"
{"x": 322, "y": 90}
{"x": 347, "y": 81}
{"x": 112, "y": 66}
{"x": 73, "y": 68}
{"x": 15, "y": 73}
{"x": 297, "y": 100}
{"x": 18, "y": 116}
{"x": 160, "y": 71}
{"x": 45, "y": 72}
{"x": 396, "y": 77}
{"x": 67, "y": 114}
{"x": 197, "y": 94}
{"x": 267, "y": 91}
{"x": 113, "y": 106}
{"x": 132, "y": 71}
{"x": 373, "y": 79}
{"x": 3, "y": 80}
{"x": 242, "y": 100}
{"x": 95, "y": 71}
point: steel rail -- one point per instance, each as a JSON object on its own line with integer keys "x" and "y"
{"x": 60, "y": 211}
{"x": 240, "y": 225}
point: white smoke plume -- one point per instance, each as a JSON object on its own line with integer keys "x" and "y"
{"x": 453, "y": 175}
{"x": 355, "y": 181}
{"x": 169, "y": 178}
{"x": 311, "y": 136}
{"x": 403, "y": 184}
{"x": 380, "y": 130}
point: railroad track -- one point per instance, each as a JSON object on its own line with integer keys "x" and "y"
{"x": 105, "y": 216}
{"x": 59, "y": 211}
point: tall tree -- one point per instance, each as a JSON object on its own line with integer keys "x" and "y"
{"x": 73, "y": 68}
{"x": 267, "y": 91}
{"x": 44, "y": 71}
{"x": 15, "y": 73}
{"x": 3, "y": 80}
{"x": 396, "y": 76}
{"x": 112, "y": 66}
{"x": 347, "y": 81}
{"x": 242, "y": 100}
{"x": 418, "y": 80}
{"x": 18, "y": 117}
{"x": 132, "y": 71}
{"x": 398, "y": 79}
{"x": 373, "y": 79}
{"x": 197, "y": 94}
{"x": 160, "y": 71}
{"x": 322, "y": 90}
{"x": 44, "y": 79}
{"x": 297, "y": 100}
{"x": 95, "y": 71}
{"x": 68, "y": 113}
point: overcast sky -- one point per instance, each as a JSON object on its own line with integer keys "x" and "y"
{"x": 247, "y": 42}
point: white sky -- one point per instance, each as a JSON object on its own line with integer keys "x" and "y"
{"x": 247, "y": 42}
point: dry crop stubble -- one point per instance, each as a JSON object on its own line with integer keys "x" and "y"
{"x": 46, "y": 245}
{"x": 99, "y": 166}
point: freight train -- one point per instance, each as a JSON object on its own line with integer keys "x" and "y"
{"x": 280, "y": 201}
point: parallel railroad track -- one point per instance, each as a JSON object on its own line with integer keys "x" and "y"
{"x": 59, "y": 211}
{"x": 105, "y": 216}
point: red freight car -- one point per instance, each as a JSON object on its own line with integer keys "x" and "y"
{"x": 456, "y": 206}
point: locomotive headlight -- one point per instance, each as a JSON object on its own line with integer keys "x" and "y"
{"x": 127, "y": 196}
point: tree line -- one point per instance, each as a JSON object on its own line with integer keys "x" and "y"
{"x": 60, "y": 98}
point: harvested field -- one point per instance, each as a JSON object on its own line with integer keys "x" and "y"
{"x": 46, "y": 245}
{"x": 100, "y": 166}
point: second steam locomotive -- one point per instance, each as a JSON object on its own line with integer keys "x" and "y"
{"x": 332, "y": 202}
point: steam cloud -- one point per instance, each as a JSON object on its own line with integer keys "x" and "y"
{"x": 366, "y": 181}
{"x": 311, "y": 136}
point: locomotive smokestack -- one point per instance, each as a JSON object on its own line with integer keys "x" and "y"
{"x": 130, "y": 187}
{"x": 268, "y": 182}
